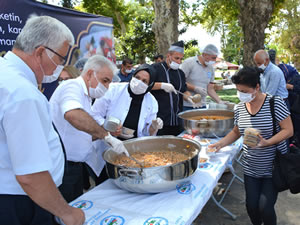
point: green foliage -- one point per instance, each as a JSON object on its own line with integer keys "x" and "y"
{"x": 132, "y": 22}
{"x": 191, "y": 49}
{"x": 228, "y": 95}
{"x": 67, "y": 3}
{"x": 287, "y": 29}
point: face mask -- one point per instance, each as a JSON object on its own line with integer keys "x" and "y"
{"x": 99, "y": 91}
{"x": 128, "y": 71}
{"x": 174, "y": 65}
{"x": 262, "y": 66}
{"x": 245, "y": 97}
{"x": 56, "y": 72}
{"x": 137, "y": 86}
{"x": 209, "y": 63}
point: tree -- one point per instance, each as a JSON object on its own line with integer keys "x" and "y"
{"x": 165, "y": 24}
{"x": 225, "y": 16}
{"x": 254, "y": 18}
{"x": 67, "y": 4}
{"x": 287, "y": 33}
{"x": 132, "y": 26}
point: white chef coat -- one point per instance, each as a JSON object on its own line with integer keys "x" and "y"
{"x": 69, "y": 95}
{"x": 116, "y": 102}
{"x": 28, "y": 141}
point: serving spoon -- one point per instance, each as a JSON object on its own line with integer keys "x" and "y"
{"x": 195, "y": 98}
{"x": 137, "y": 161}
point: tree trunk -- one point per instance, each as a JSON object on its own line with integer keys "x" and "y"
{"x": 254, "y": 18}
{"x": 165, "y": 24}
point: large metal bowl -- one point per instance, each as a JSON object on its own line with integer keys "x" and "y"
{"x": 154, "y": 179}
{"x": 207, "y": 128}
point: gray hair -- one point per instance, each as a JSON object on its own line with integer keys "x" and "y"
{"x": 211, "y": 50}
{"x": 262, "y": 54}
{"x": 43, "y": 31}
{"x": 96, "y": 62}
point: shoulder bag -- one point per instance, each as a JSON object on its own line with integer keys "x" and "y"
{"x": 286, "y": 168}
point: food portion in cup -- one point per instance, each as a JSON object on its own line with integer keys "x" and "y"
{"x": 251, "y": 137}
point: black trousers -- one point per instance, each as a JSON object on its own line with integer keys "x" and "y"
{"x": 21, "y": 210}
{"x": 261, "y": 196}
{"x": 170, "y": 130}
{"x": 72, "y": 185}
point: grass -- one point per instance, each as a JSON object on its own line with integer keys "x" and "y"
{"x": 228, "y": 95}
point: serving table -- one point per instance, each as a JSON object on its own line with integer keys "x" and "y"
{"x": 106, "y": 204}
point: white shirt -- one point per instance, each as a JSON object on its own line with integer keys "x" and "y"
{"x": 28, "y": 142}
{"x": 197, "y": 74}
{"x": 116, "y": 102}
{"x": 69, "y": 95}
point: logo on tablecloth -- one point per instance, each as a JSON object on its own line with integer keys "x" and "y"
{"x": 156, "y": 221}
{"x": 206, "y": 165}
{"x": 112, "y": 220}
{"x": 185, "y": 187}
{"x": 83, "y": 204}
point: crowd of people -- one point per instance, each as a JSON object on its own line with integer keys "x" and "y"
{"x": 49, "y": 147}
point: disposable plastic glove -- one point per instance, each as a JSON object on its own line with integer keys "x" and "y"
{"x": 157, "y": 124}
{"x": 117, "y": 145}
{"x": 195, "y": 105}
{"x": 168, "y": 88}
{"x": 201, "y": 91}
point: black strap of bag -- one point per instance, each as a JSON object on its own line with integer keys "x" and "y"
{"x": 62, "y": 145}
{"x": 278, "y": 173}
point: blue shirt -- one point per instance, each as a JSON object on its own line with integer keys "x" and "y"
{"x": 125, "y": 78}
{"x": 28, "y": 142}
{"x": 272, "y": 81}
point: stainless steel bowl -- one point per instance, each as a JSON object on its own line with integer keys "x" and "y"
{"x": 154, "y": 179}
{"x": 207, "y": 128}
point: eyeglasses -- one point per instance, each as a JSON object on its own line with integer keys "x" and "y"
{"x": 63, "y": 59}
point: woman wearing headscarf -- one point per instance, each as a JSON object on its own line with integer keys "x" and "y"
{"x": 132, "y": 104}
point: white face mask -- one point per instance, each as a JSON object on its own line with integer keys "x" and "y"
{"x": 137, "y": 86}
{"x": 262, "y": 66}
{"x": 209, "y": 63}
{"x": 55, "y": 74}
{"x": 245, "y": 97}
{"x": 99, "y": 91}
{"x": 128, "y": 71}
{"x": 174, "y": 65}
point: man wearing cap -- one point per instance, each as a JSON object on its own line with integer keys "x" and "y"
{"x": 200, "y": 75}
{"x": 169, "y": 79}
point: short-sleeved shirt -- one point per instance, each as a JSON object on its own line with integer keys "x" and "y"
{"x": 28, "y": 141}
{"x": 125, "y": 78}
{"x": 169, "y": 104}
{"x": 257, "y": 162}
{"x": 273, "y": 82}
{"x": 72, "y": 94}
{"x": 197, "y": 74}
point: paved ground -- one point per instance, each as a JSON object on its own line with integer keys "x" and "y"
{"x": 287, "y": 206}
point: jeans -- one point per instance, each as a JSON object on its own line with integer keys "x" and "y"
{"x": 261, "y": 196}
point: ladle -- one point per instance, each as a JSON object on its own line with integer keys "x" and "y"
{"x": 134, "y": 159}
{"x": 196, "y": 98}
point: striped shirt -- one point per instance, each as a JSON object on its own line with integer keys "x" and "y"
{"x": 257, "y": 162}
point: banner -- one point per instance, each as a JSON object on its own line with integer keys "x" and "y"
{"x": 93, "y": 34}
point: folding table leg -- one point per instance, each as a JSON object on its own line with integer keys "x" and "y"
{"x": 223, "y": 208}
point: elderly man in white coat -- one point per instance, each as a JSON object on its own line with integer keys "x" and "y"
{"x": 70, "y": 107}
{"x": 132, "y": 104}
